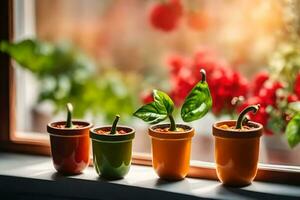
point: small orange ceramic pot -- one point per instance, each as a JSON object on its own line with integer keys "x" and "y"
{"x": 70, "y": 147}
{"x": 236, "y": 152}
{"x": 171, "y": 151}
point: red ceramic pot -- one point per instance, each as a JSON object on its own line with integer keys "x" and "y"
{"x": 70, "y": 147}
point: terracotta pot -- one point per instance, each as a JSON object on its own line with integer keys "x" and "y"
{"x": 112, "y": 153}
{"x": 70, "y": 147}
{"x": 171, "y": 151}
{"x": 236, "y": 153}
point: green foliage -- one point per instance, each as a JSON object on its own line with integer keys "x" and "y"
{"x": 292, "y": 132}
{"x": 45, "y": 59}
{"x": 284, "y": 67}
{"x": 67, "y": 75}
{"x": 158, "y": 110}
{"x": 276, "y": 122}
{"x": 109, "y": 94}
{"x": 285, "y": 63}
{"x": 197, "y": 103}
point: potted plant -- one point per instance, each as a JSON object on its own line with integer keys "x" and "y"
{"x": 112, "y": 149}
{"x": 171, "y": 143}
{"x": 237, "y": 148}
{"x": 70, "y": 144}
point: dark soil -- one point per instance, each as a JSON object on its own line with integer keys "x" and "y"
{"x": 64, "y": 126}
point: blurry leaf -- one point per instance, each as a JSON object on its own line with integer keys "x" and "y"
{"x": 45, "y": 59}
{"x": 31, "y": 54}
{"x": 67, "y": 75}
{"x": 295, "y": 106}
{"x": 276, "y": 124}
{"x": 285, "y": 62}
{"x": 292, "y": 132}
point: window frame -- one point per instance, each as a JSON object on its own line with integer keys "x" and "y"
{"x": 10, "y": 141}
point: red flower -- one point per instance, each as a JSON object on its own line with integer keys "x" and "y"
{"x": 147, "y": 97}
{"x": 181, "y": 83}
{"x": 259, "y": 81}
{"x": 224, "y": 83}
{"x": 292, "y": 98}
{"x": 165, "y": 16}
{"x": 297, "y": 86}
{"x": 176, "y": 62}
{"x": 265, "y": 94}
{"x": 268, "y": 92}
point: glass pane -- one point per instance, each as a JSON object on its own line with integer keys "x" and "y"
{"x": 122, "y": 52}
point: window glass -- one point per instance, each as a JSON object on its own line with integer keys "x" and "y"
{"x": 111, "y": 54}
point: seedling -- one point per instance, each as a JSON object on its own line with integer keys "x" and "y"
{"x": 69, "y": 123}
{"x": 196, "y": 105}
{"x": 114, "y": 126}
{"x": 242, "y": 116}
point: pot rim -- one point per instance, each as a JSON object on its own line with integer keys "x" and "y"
{"x": 112, "y": 138}
{"x": 171, "y": 135}
{"x": 237, "y": 133}
{"x": 67, "y": 132}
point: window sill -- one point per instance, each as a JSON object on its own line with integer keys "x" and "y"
{"x": 29, "y": 176}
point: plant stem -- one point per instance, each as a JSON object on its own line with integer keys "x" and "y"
{"x": 172, "y": 123}
{"x": 114, "y": 126}
{"x": 252, "y": 108}
{"x": 69, "y": 123}
{"x": 245, "y": 120}
{"x": 203, "y": 73}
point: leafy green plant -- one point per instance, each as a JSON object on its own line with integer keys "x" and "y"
{"x": 160, "y": 109}
{"x": 292, "y": 131}
{"x": 61, "y": 70}
{"x": 284, "y": 114}
{"x": 196, "y": 105}
{"x": 67, "y": 75}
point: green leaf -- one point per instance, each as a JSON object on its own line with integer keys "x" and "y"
{"x": 66, "y": 74}
{"x": 45, "y": 59}
{"x": 163, "y": 101}
{"x": 197, "y": 103}
{"x": 151, "y": 114}
{"x": 31, "y": 54}
{"x": 158, "y": 110}
{"x": 292, "y": 131}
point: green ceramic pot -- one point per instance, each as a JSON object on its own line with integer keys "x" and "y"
{"x": 112, "y": 153}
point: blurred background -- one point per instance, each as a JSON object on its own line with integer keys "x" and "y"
{"x": 106, "y": 57}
